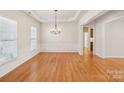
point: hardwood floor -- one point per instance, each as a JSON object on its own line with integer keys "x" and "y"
{"x": 67, "y": 67}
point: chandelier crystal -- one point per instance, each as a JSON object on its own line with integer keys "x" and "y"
{"x": 55, "y": 30}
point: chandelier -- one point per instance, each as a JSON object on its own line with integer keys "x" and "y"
{"x": 55, "y": 30}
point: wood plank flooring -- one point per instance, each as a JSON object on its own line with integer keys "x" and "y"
{"x": 67, "y": 67}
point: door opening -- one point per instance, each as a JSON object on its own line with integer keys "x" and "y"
{"x": 88, "y": 40}
{"x": 85, "y": 39}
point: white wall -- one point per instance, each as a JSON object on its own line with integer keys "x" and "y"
{"x": 109, "y": 35}
{"x": 115, "y": 38}
{"x": 66, "y": 41}
{"x": 99, "y": 37}
{"x": 86, "y": 18}
{"x": 24, "y": 23}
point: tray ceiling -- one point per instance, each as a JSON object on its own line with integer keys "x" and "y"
{"x": 63, "y": 15}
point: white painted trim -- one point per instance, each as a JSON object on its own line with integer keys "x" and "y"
{"x": 34, "y": 15}
{"x": 114, "y": 19}
{"x": 104, "y": 56}
{"x": 75, "y": 16}
{"x": 59, "y": 51}
{"x": 101, "y": 56}
{"x": 96, "y": 16}
{"x": 80, "y": 53}
{"x": 114, "y": 56}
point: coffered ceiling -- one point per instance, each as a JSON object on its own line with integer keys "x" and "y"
{"x": 63, "y": 15}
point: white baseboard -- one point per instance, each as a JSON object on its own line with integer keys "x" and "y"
{"x": 59, "y": 51}
{"x": 108, "y": 56}
{"x": 11, "y": 66}
{"x": 101, "y": 56}
{"x": 80, "y": 53}
{"x": 114, "y": 56}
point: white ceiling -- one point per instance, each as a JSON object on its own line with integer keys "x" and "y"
{"x": 63, "y": 15}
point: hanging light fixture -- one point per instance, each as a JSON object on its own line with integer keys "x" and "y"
{"x": 55, "y": 30}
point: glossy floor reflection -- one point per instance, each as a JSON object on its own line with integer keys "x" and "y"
{"x": 68, "y": 67}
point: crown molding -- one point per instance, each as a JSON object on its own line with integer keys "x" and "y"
{"x": 35, "y": 16}
{"x": 75, "y": 16}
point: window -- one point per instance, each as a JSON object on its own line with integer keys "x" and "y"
{"x": 8, "y": 40}
{"x": 33, "y": 38}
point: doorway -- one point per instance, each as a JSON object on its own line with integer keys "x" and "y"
{"x": 88, "y": 40}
